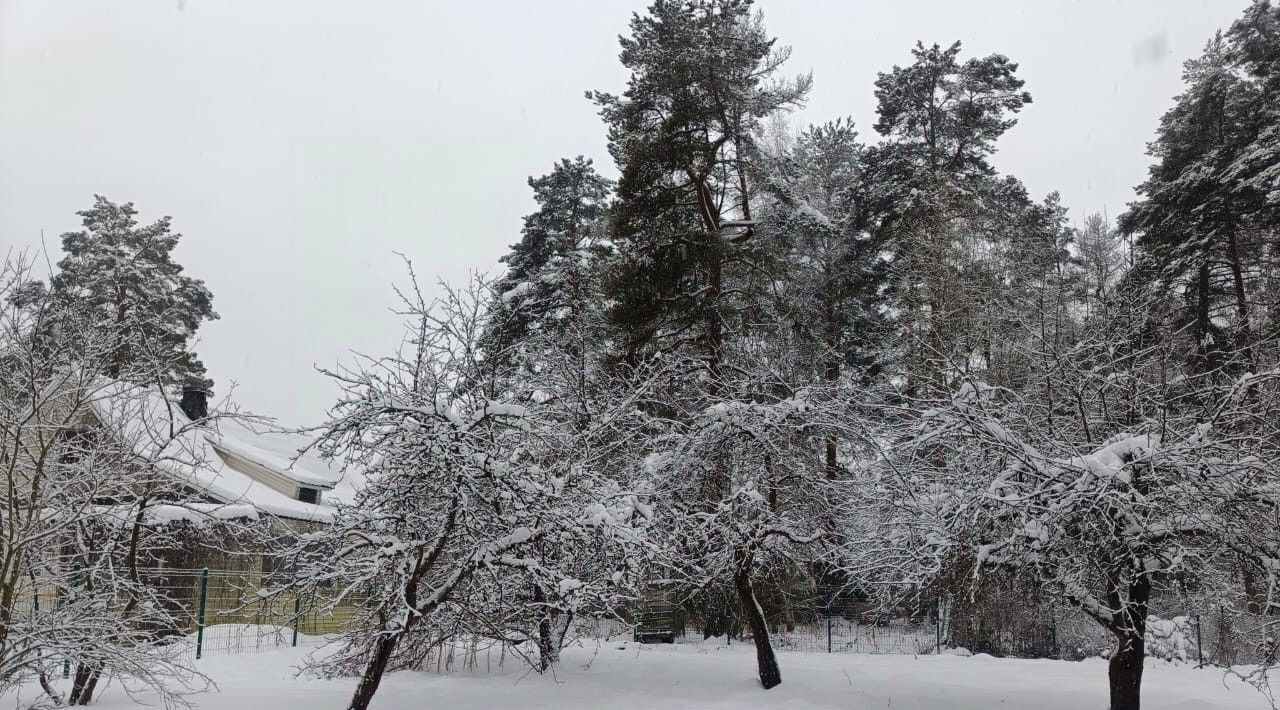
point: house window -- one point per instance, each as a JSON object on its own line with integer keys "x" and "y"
{"x": 77, "y": 457}
{"x": 77, "y": 445}
{"x": 309, "y": 495}
{"x": 277, "y": 570}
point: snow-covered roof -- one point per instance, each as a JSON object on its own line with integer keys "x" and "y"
{"x": 286, "y": 453}
{"x": 156, "y": 429}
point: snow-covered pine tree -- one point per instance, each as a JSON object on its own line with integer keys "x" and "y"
{"x": 1253, "y": 48}
{"x": 1035, "y": 300}
{"x": 1207, "y": 214}
{"x": 551, "y": 285}
{"x": 127, "y": 273}
{"x": 1102, "y": 257}
{"x": 704, "y": 73}
{"x": 820, "y": 212}
{"x": 944, "y": 205}
{"x": 690, "y": 273}
{"x": 1190, "y": 220}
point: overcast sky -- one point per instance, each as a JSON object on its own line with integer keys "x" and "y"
{"x": 299, "y": 145}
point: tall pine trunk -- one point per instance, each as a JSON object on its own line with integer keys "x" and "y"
{"x": 831, "y": 373}
{"x": 1203, "y": 323}
{"x": 1244, "y": 336}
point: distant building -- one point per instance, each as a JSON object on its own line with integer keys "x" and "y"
{"x": 234, "y": 465}
{"x": 228, "y": 472}
{"x": 240, "y": 494}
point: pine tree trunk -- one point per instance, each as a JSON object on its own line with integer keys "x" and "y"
{"x": 1244, "y": 337}
{"x": 1125, "y": 672}
{"x": 372, "y": 676}
{"x": 831, "y": 373}
{"x": 1203, "y": 324}
{"x": 1255, "y": 596}
{"x": 770, "y": 675}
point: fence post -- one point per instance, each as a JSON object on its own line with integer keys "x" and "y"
{"x": 1053, "y": 639}
{"x": 204, "y": 593}
{"x": 828, "y": 634}
{"x": 297, "y": 606}
{"x": 1199, "y": 646}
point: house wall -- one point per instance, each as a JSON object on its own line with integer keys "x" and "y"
{"x": 58, "y": 411}
{"x": 239, "y": 557}
{"x": 240, "y": 561}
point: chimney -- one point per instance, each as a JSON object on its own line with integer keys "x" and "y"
{"x": 195, "y": 403}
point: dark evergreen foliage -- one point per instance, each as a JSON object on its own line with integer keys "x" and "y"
{"x": 552, "y": 280}
{"x": 1206, "y": 217}
{"x": 704, "y": 73}
{"x": 126, "y": 275}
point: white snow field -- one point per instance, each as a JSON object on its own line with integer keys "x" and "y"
{"x": 631, "y": 676}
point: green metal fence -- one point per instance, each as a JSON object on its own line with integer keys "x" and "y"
{"x": 233, "y": 611}
{"x": 228, "y": 611}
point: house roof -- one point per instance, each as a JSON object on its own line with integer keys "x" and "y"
{"x": 287, "y": 453}
{"x": 156, "y": 429}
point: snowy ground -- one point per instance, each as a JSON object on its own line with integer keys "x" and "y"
{"x": 627, "y": 675}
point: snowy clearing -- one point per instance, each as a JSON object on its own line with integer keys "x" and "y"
{"x": 629, "y": 675}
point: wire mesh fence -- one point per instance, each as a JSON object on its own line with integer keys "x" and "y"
{"x": 833, "y": 620}
{"x": 1182, "y": 633}
{"x": 819, "y": 619}
{"x": 214, "y": 611}
{"x": 238, "y": 612}
{"x": 834, "y": 634}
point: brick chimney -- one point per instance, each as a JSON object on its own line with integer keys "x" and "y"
{"x": 195, "y": 403}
